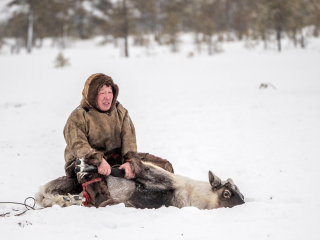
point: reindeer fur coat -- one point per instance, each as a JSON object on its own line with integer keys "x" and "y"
{"x": 89, "y": 130}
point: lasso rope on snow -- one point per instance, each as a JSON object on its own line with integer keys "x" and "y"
{"x": 28, "y": 207}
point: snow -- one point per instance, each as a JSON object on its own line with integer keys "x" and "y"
{"x": 201, "y": 113}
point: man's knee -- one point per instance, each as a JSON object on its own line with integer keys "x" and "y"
{"x": 160, "y": 162}
{"x": 169, "y": 167}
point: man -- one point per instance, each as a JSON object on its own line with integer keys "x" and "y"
{"x": 101, "y": 132}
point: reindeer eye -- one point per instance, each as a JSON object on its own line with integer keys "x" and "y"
{"x": 226, "y": 194}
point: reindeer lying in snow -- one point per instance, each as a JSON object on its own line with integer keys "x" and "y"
{"x": 153, "y": 187}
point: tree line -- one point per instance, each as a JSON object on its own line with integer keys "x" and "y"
{"x": 211, "y": 21}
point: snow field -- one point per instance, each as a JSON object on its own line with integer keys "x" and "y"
{"x": 201, "y": 113}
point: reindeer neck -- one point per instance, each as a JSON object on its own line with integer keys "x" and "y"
{"x": 194, "y": 193}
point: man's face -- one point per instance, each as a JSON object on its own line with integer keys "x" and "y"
{"x": 104, "y": 98}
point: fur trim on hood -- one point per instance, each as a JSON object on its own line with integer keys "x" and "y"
{"x": 91, "y": 90}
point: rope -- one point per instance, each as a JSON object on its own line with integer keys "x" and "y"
{"x": 28, "y": 207}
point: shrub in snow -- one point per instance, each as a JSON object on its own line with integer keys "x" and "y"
{"x": 61, "y": 61}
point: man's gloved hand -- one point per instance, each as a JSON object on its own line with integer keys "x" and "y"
{"x": 128, "y": 169}
{"x": 104, "y": 168}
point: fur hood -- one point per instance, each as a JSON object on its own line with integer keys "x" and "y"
{"x": 91, "y": 90}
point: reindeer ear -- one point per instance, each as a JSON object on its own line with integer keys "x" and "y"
{"x": 214, "y": 180}
{"x": 230, "y": 181}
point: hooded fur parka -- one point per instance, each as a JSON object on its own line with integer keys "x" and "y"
{"x": 90, "y": 130}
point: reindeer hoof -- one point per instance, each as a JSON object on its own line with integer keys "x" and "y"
{"x": 76, "y": 199}
{"x": 82, "y": 169}
{"x": 66, "y": 201}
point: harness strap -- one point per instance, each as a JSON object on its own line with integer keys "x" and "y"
{"x": 85, "y": 194}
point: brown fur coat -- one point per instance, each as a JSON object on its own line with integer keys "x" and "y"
{"x": 89, "y": 130}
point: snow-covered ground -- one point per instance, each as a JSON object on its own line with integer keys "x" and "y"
{"x": 201, "y": 113}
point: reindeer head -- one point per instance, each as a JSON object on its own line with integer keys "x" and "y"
{"x": 228, "y": 193}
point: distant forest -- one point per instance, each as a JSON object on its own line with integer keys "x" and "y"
{"x": 211, "y": 21}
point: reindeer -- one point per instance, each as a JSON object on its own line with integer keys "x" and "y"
{"x": 153, "y": 187}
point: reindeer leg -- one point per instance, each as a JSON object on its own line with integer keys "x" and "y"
{"x": 63, "y": 191}
{"x": 69, "y": 200}
{"x": 82, "y": 169}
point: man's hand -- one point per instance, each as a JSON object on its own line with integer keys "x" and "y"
{"x": 129, "y": 173}
{"x": 104, "y": 168}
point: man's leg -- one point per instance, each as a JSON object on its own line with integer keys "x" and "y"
{"x": 160, "y": 162}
